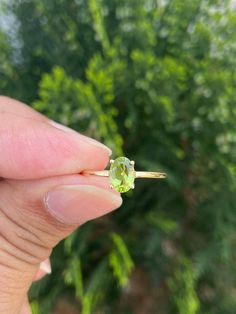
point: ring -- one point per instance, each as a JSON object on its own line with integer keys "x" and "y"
{"x": 122, "y": 174}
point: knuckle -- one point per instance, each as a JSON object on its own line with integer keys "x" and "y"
{"x": 27, "y": 229}
{"x": 23, "y": 251}
{"x": 20, "y": 243}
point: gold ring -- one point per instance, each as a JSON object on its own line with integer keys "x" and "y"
{"x": 122, "y": 174}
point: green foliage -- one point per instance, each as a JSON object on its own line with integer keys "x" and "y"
{"x": 91, "y": 115}
{"x": 155, "y": 81}
{"x": 120, "y": 260}
{"x": 34, "y": 307}
{"x": 182, "y": 287}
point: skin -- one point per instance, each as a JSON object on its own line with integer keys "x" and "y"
{"x": 44, "y": 195}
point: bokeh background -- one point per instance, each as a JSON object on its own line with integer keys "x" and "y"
{"x": 156, "y": 81}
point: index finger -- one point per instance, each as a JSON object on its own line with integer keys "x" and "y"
{"x": 32, "y": 149}
{"x": 18, "y": 108}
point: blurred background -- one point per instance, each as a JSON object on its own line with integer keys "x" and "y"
{"x": 156, "y": 81}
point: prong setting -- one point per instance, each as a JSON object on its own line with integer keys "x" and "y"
{"x": 132, "y": 162}
{"x": 111, "y": 161}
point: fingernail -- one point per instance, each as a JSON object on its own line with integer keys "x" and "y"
{"x": 46, "y": 266}
{"x": 87, "y": 139}
{"x": 76, "y": 204}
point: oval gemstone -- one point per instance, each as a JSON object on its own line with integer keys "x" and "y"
{"x": 122, "y": 174}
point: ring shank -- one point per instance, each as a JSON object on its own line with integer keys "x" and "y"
{"x": 138, "y": 174}
{"x": 150, "y": 174}
{"x": 101, "y": 173}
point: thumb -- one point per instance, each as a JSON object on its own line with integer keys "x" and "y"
{"x": 34, "y": 216}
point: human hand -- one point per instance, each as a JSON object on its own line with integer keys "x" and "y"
{"x": 43, "y": 195}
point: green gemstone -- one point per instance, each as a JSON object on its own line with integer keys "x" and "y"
{"x": 122, "y": 174}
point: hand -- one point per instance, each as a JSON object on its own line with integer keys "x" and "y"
{"x": 43, "y": 195}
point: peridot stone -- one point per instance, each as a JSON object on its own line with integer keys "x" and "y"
{"x": 122, "y": 174}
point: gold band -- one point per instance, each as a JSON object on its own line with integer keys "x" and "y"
{"x": 138, "y": 174}
{"x": 148, "y": 174}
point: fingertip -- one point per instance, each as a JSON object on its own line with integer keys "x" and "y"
{"x": 45, "y": 266}
{"x": 87, "y": 139}
{"x": 37, "y": 149}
